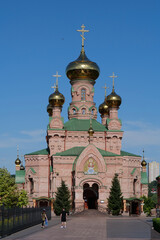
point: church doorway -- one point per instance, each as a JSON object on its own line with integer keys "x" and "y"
{"x": 90, "y": 196}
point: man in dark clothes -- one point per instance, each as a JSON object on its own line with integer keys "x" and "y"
{"x": 63, "y": 218}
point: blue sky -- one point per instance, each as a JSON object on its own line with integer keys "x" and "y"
{"x": 39, "y": 37}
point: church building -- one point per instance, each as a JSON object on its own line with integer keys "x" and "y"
{"x": 83, "y": 152}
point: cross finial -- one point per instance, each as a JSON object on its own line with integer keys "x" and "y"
{"x": 105, "y": 87}
{"x": 22, "y": 159}
{"x": 54, "y": 86}
{"x": 17, "y": 151}
{"x": 57, "y": 76}
{"x": 82, "y": 35}
{"x": 113, "y": 76}
{"x": 143, "y": 154}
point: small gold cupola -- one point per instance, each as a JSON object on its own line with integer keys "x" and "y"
{"x": 49, "y": 109}
{"x": 90, "y": 132}
{"x": 56, "y": 99}
{"x": 82, "y": 68}
{"x": 18, "y": 161}
{"x": 103, "y": 107}
{"x": 113, "y": 100}
{"x": 143, "y": 163}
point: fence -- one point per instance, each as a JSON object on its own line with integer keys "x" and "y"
{"x": 16, "y": 219}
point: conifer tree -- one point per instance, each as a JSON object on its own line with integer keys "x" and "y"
{"x": 62, "y": 199}
{"x": 115, "y": 200}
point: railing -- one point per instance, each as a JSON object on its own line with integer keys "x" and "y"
{"x": 15, "y": 219}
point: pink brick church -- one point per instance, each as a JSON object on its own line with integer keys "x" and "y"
{"x": 84, "y": 153}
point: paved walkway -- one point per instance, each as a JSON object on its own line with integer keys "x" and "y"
{"x": 92, "y": 225}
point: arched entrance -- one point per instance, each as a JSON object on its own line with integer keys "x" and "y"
{"x": 90, "y": 196}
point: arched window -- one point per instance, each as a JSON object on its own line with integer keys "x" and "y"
{"x": 74, "y": 111}
{"x": 83, "y": 94}
{"x": 83, "y": 111}
{"x": 92, "y": 111}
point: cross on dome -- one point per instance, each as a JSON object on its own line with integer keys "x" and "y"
{"x": 105, "y": 87}
{"x": 54, "y": 87}
{"x": 17, "y": 151}
{"x": 82, "y": 35}
{"x": 57, "y": 76}
{"x": 143, "y": 154}
{"x": 113, "y": 76}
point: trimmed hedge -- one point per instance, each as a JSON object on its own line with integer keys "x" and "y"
{"x": 156, "y": 224}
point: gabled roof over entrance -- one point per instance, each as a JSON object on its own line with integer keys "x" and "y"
{"x": 76, "y": 151}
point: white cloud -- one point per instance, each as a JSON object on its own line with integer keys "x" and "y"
{"x": 143, "y": 134}
{"x": 34, "y": 133}
{"x": 24, "y": 137}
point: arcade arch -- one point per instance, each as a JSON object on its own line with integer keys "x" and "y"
{"x": 90, "y": 195}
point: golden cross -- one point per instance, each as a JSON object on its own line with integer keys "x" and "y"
{"x": 22, "y": 159}
{"x": 57, "y": 76}
{"x": 105, "y": 87}
{"x": 17, "y": 151}
{"x": 82, "y": 35}
{"x": 113, "y": 76}
{"x": 54, "y": 87}
{"x": 143, "y": 154}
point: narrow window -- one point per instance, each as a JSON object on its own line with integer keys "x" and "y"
{"x": 83, "y": 94}
{"x": 83, "y": 111}
{"x": 31, "y": 185}
{"x": 74, "y": 111}
{"x": 92, "y": 112}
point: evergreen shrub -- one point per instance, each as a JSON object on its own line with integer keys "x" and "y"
{"x": 156, "y": 224}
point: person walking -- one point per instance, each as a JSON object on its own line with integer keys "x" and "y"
{"x": 44, "y": 218}
{"x": 63, "y": 218}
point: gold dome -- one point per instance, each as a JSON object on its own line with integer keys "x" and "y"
{"x": 49, "y": 109}
{"x": 113, "y": 100}
{"x": 143, "y": 163}
{"x": 18, "y": 161}
{"x": 103, "y": 108}
{"x": 22, "y": 167}
{"x": 90, "y": 131}
{"x": 82, "y": 68}
{"x": 56, "y": 99}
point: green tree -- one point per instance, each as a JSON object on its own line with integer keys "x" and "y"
{"x": 62, "y": 199}
{"x": 115, "y": 200}
{"x": 152, "y": 186}
{"x": 10, "y": 195}
{"x": 148, "y": 205}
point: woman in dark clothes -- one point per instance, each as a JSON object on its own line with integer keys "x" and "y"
{"x": 63, "y": 218}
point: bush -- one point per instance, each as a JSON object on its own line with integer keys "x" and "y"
{"x": 156, "y": 224}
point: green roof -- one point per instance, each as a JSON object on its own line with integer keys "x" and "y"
{"x": 123, "y": 153}
{"x": 32, "y": 169}
{"x": 106, "y": 153}
{"x": 133, "y": 171}
{"x": 75, "y": 124}
{"x": 20, "y": 176}
{"x": 75, "y": 151}
{"x": 40, "y": 152}
{"x": 144, "y": 178}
